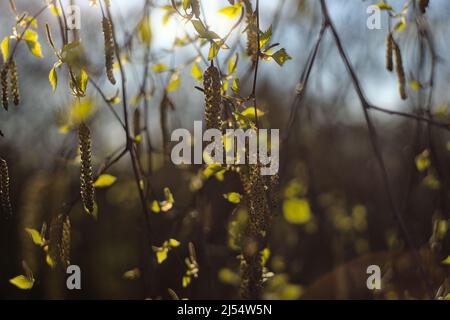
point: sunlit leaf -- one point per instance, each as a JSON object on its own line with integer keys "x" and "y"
{"x": 161, "y": 255}
{"x": 22, "y": 282}
{"x": 296, "y": 210}
{"x": 383, "y": 6}
{"x": 197, "y": 72}
{"x": 5, "y": 48}
{"x": 53, "y": 78}
{"x": 174, "y": 83}
{"x": 281, "y": 56}
{"x": 35, "y": 236}
{"x": 174, "y": 243}
{"x": 232, "y": 11}
{"x": 160, "y": 67}
{"x": 213, "y": 51}
{"x": 132, "y": 274}
{"x": 446, "y": 260}
{"x": 32, "y": 39}
{"x": 105, "y": 180}
{"x": 145, "y": 31}
{"x": 265, "y": 37}
{"x": 250, "y": 112}
{"x": 233, "y": 197}
{"x": 423, "y": 161}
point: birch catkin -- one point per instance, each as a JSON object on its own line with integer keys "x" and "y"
{"x": 389, "y": 52}
{"x": 255, "y": 232}
{"x": 211, "y": 84}
{"x": 59, "y": 242}
{"x": 86, "y": 176}
{"x": 109, "y": 49}
{"x": 14, "y": 78}
{"x": 4, "y": 86}
{"x": 4, "y": 189}
{"x": 400, "y": 72}
{"x": 252, "y": 36}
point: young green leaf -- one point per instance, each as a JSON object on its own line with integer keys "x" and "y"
{"x": 281, "y": 56}
{"x": 5, "y": 48}
{"x": 233, "y": 197}
{"x": 22, "y": 282}
{"x": 232, "y": 11}
{"x": 105, "y": 180}
{"x": 35, "y": 236}
{"x": 32, "y": 39}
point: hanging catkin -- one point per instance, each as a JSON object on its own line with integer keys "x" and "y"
{"x": 4, "y": 85}
{"x": 109, "y": 49}
{"x": 255, "y": 232}
{"x": 4, "y": 189}
{"x": 252, "y": 36}
{"x": 59, "y": 242}
{"x": 86, "y": 176}
{"x": 400, "y": 72}
{"x": 14, "y": 79}
{"x": 211, "y": 85}
{"x": 389, "y": 52}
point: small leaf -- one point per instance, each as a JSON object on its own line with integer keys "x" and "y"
{"x": 197, "y": 72}
{"x": 155, "y": 207}
{"x": 31, "y": 37}
{"x": 383, "y": 6}
{"x": 145, "y": 31}
{"x": 186, "y": 280}
{"x": 446, "y": 260}
{"x": 53, "y": 78}
{"x": 233, "y": 197}
{"x": 132, "y": 274}
{"x": 105, "y": 180}
{"x": 5, "y": 48}
{"x": 35, "y": 236}
{"x": 265, "y": 37}
{"x": 250, "y": 112}
{"x": 415, "y": 85}
{"x": 231, "y": 11}
{"x": 161, "y": 255}
{"x": 213, "y": 51}
{"x": 423, "y": 160}
{"x": 160, "y": 67}
{"x": 174, "y": 243}
{"x": 203, "y": 32}
{"x": 22, "y": 282}
{"x": 296, "y": 211}
{"x": 281, "y": 56}
{"x": 400, "y": 26}
{"x": 174, "y": 83}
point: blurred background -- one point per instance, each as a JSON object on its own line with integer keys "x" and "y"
{"x": 329, "y": 165}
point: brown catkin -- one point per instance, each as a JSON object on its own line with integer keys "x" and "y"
{"x": 255, "y": 233}
{"x": 109, "y": 49}
{"x": 14, "y": 79}
{"x": 4, "y": 189}
{"x": 59, "y": 242}
{"x": 423, "y": 5}
{"x": 252, "y": 36}
{"x": 86, "y": 176}
{"x": 389, "y": 52}
{"x": 211, "y": 85}
{"x": 4, "y": 86}
{"x": 400, "y": 72}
